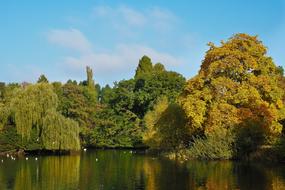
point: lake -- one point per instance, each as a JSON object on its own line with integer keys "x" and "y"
{"x": 125, "y": 169}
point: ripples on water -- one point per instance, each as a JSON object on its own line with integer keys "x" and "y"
{"x": 122, "y": 170}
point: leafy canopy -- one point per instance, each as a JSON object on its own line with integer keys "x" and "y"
{"x": 237, "y": 86}
{"x": 35, "y": 108}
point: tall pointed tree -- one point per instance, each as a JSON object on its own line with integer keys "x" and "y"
{"x": 145, "y": 67}
{"x": 42, "y": 78}
{"x": 90, "y": 81}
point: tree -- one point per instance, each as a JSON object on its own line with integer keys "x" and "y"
{"x": 42, "y": 78}
{"x": 166, "y": 127}
{"x": 123, "y": 98}
{"x": 2, "y": 89}
{"x": 150, "y": 87}
{"x": 237, "y": 87}
{"x": 106, "y": 94}
{"x": 144, "y": 67}
{"x": 30, "y": 105}
{"x": 75, "y": 103}
{"x": 90, "y": 81}
{"x": 91, "y": 90}
{"x": 34, "y": 109}
{"x": 60, "y": 133}
{"x": 158, "y": 67}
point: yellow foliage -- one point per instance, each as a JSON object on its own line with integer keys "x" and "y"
{"x": 151, "y": 136}
{"x": 237, "y": 83}
{"x": 165, "y": 126}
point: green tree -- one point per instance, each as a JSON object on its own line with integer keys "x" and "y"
{"x": 34, "y": 109}
{"x": 74, "y": 103}
{"x": 166, "y": 127}
{"x": 2, "y": 89}
{"x": 42, "y": 78}
{"x": 149, "y": 88}
{"x": 92, "y": 89}
{"x": 90, "y": 81}
{"x": 158, "y": 67}
{"x": 106, "y": 94}
{"x": 30, "y": 105}
{"x": 144, "y": 67}
{"x": 60, "y": 133}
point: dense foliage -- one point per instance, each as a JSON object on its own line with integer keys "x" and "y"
{"x": 32, "y": 111}
{"x": 56, "y": 116}
{"x": 233, "y": 108}
{"x": 160, "y": 133}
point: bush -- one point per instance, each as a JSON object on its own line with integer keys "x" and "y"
{"x": 166, "y": 128}
{"x": 10, "y": 140}
{"x": 219, "y": 144}
{"x": 279, "y": 149}
{"x": 249, "y": 139}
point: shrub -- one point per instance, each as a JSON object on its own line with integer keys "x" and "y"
{"x": 219, "y": 144}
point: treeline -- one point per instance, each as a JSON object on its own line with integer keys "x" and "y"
{"x": 56, "y": 116}
{"x": 233, "y": 108}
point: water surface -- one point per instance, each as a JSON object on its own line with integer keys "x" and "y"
{"x": 125, "y": 169}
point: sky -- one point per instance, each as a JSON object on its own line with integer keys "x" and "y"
{"x": 60, "y": 38}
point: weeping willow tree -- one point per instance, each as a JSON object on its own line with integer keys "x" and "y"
{"x": 34, "y": 107}
{"x": 30, "y": 105}
{"x": 60, "y": 133}
{"x": 4, "y": 111}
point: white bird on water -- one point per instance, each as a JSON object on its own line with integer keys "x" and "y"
{"x": 36, "y": 158}
{"x": 7, "y": 155}
{"x": 85, "y": 149}
{"x": 27, "y": 158}
{"x": 96, "y": 159}
{"x": 2, "y": 161}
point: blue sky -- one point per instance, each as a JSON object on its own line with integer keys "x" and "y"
{"x": 59, "y": 38}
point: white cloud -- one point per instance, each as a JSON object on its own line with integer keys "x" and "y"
{"x": 130, "y": 34}
{"x": 124, "y": 58}
{"x": 128, "y": 17}
{"x": 162, "y": 19}
{"x": 69, "y": 38}
{"x": 132, "y": 16}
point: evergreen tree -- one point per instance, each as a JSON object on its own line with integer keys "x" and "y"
{"x": 144, "y": 67}
{"x": 42, "y": 78}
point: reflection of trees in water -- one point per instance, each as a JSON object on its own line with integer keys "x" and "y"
{"x": 258, "y": 176}
{"x": 124, "y": 170}
{"x": 23, "y": 178}
{"x": 113, "y": 170}
{"x": 2, "y": 179}
{"x": 211, "y": 175}
{"x": 233, "y": 175}
{"x": 49, "y": 173}
{"x": 60, "y": 172}
{"x": 151, "y": 170}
